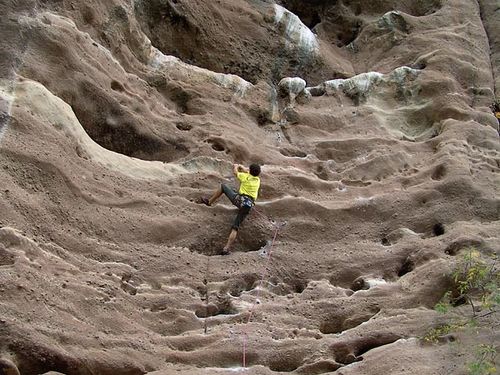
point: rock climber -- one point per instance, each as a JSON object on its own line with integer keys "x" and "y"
{"x": 245, "y": 198}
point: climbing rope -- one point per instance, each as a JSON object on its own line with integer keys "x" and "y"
{"x": 205, "y": 283}
{"x": 277, "y": 228}
{"x": 272, "y": 221}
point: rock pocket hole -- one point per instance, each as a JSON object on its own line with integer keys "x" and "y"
{"x": 250, "y": 240}
{"x": 217, "y": 146}
{"x": 116, "y": 128}
{"x": 458, "y": 299}
{"x": 288, "y": 363}
{"x": 462, "y": 243}
{"x": 221, "y": 306}
{"x": 385, "y": 242}
{"x": 180, "y": 97}
{"x": 299, "y": 285}
{"x": 420, "y": 65}
{"x": 38, "y": 359}
{"x": 438, "y": 229}
{"x": 247, "y": 240}
{"x": 291, "y": 153}
{"x": 6, "y": 258}
{"x": 243, "y": 283}
{"x": 117, "y": 86}
{"x": 184, "y": 127}
{"x": 375, "y": 342}
{"x": 406, "y": 267}
{"x": 331, "y": 326}
{"x": 351, "y": 351}
{"x": 439, "y": 173}
{"x": 423, "y": 8}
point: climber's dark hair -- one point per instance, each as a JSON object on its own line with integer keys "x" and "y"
{"x": 254, "y": 169}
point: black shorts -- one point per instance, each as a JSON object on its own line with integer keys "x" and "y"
{"x": 234, "y": 197}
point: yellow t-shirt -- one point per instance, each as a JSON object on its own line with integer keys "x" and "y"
{"x": 249, "y": 185}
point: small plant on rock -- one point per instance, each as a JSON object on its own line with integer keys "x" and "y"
{"x": 436, "y": 334}
{"x": 477, "y": 282}
{"x": 484, "y": 363}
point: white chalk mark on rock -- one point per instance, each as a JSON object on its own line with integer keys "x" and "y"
{"x": 173, "y": 64}
{"x": 6, "y": 101}
{"x": 55, "y": 113}
{"x": 298, "y": 35}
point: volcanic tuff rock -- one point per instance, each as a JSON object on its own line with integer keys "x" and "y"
{"x": 379, "y": 174}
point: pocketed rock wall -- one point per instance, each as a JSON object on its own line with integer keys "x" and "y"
{"x": 377, "y": 178}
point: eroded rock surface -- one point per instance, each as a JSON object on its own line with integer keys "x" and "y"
{"x": 381, "y": 163}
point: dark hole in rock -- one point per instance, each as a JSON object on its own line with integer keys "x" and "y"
{"x": 359, "y": 318}
{"x": 452, "y": 250}
{"x": 184, "y": 127}
{"x": 315, "y": 19}
{"x": 158, "y": 308}
{"x": 438, "y": 229}
{"x": 4, "y": 119}
{"x": 299, "y": 285}
{"x": 243, "y": 283}
{"x": 385, "y": 242}
{"x": 306, "y": 11}
{"x": 128, "y": 288}
{"x": 88, "y": 15}
{"x": 217, "y": 146}
{"x": 33, "y": 359}
{"x": 446, "y": 339}
{"x": 344, "y": 352}
{"x": 424, "y": 8}
{"x": 117, "y": 86}
{"x": 249, "y": 239}
{"x": 345, "y": 29}
{"x": 292, "y": 153}
{"x": 262, "y": 116}
{"x": 280, "y": 363}
{"x": 221, "y": 306}
{"x": 421, "y": 65}
{"x": 359, "y": 284}
{"x": 6, "y": 258}
{"x": 322, "y": 173}
{"x": 374, "y": 342}
{"x": 116, "y": 128}
{"x": 319, "y": 367}
{"x": 458, "y": 300}
{"x": 262, "y": 119}
{"x": 462, "y": 243}
{"x": 206, "y": 311}
{"x": 331, "y": 326}
{"x": 439, "y": 173}
{"x": 408, "y": 266}
{"x": 181, "y": 99}
{"x": 317, "y": 91}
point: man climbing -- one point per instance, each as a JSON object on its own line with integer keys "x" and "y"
{"x": 244, "y": 199}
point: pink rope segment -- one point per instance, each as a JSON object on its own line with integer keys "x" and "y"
{"x": 263, "y": 276}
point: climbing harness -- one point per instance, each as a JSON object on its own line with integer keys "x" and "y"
{"x": 244, "y": 201}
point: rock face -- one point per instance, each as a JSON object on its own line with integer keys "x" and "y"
{"x": 379, "y": 173}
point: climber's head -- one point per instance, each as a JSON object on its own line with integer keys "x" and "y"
{"x": 254, "y": 169}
